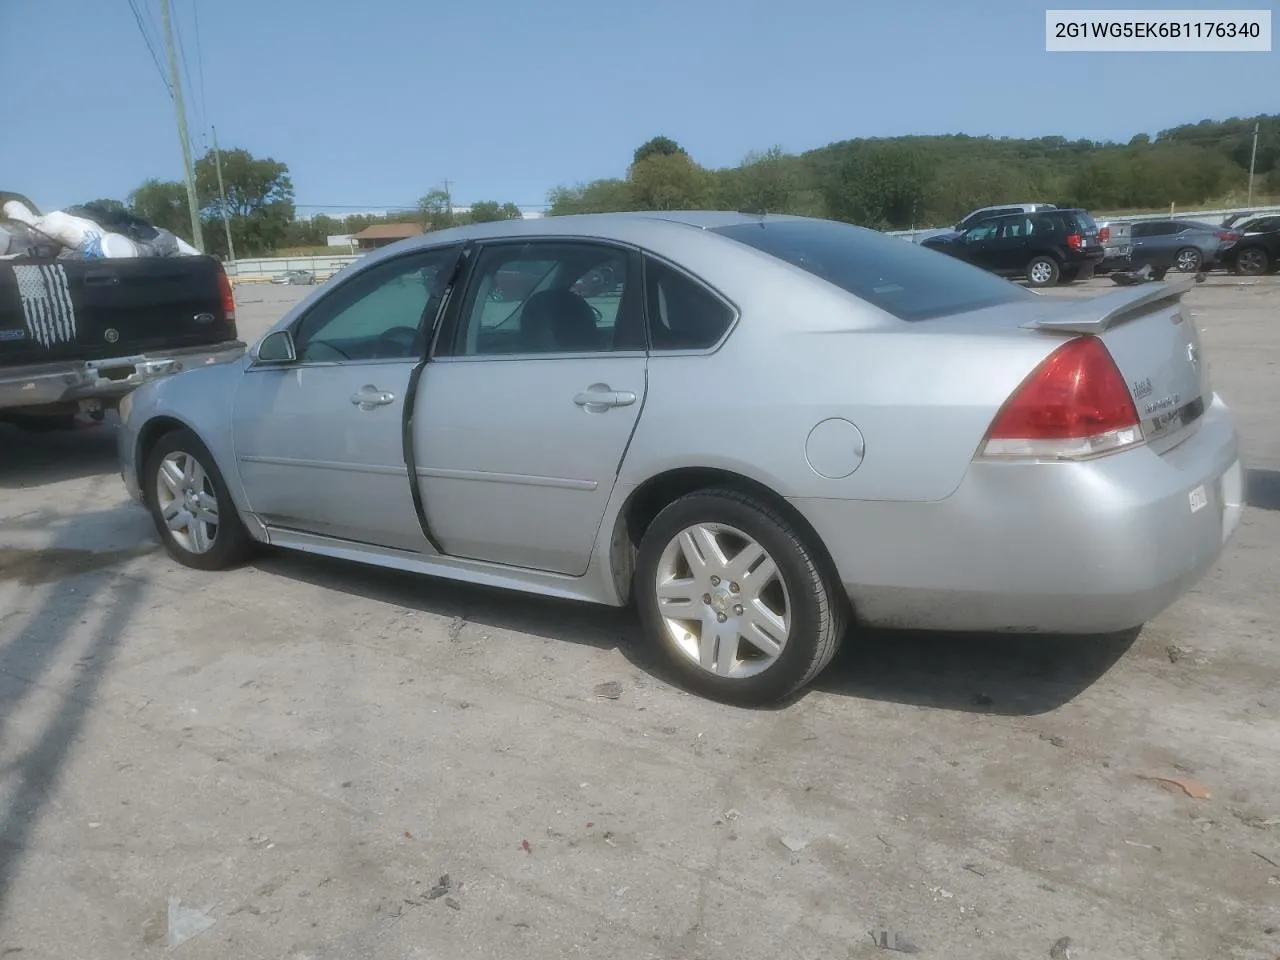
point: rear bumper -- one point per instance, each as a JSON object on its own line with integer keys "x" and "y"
{"x": 71, "y": 381}
{"x": 1091, "y": 547}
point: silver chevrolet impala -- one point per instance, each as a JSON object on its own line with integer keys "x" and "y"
{"x": 762, "y": 428}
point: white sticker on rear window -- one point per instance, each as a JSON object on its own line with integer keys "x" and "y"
{"x": 1198, "y": 498}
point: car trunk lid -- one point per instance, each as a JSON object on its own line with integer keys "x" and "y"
{"x": 1154, "y": 342}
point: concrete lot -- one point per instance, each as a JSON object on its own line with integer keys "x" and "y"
{"x": 282, "y": 761}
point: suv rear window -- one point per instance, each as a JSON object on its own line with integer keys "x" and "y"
{"x": 902, "y": 278}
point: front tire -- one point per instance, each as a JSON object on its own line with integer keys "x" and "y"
{"x": 1043, "y": 272}
{"x": 735, "y": 598}
{"x": 189, "y": 503}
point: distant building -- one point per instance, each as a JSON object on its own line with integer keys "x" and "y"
{"x": 340, "y": 240}
{"x": 381, "y": 234}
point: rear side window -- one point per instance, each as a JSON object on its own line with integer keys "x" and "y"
{"x": 683, "y": 314}
{"x": 904, "y": 279}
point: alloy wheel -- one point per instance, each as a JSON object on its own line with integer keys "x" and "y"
{"x": 723, "y": 601}
{"x": 187, "y": 501}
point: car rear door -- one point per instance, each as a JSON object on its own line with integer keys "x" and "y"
{"x": 320, "y": 441}
{"x": 523, "y": 415}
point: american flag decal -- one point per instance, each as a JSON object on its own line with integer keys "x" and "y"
{"x": 46, "y": 303}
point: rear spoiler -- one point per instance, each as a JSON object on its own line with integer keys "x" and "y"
{"x": 1101, "y": 313}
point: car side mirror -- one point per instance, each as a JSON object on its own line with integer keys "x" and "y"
{"x": 277, "y": 347}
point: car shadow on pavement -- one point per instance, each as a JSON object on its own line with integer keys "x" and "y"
{"x": 1262, "y": 489}
{"x": 981, "y": 673}
{"x": 998, "y": 673}
{"x": 32, "y": 459}
{"x": 34, "y": 661}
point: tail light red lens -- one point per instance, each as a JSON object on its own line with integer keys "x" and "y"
{"x": 1073, "y": 406}
{"x": 1228, "y": 235}
{"x": 228, "y": 298}
{"x": 1075, "y": 241}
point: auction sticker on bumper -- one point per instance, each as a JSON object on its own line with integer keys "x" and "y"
{"x": 1198, "y": 498}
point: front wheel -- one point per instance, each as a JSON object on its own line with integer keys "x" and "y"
{"x": 1252, "y": 262}
{"x": 736, "y": 600}
{"x": 189, "y": 503}
{"x": 1043, "y": 272}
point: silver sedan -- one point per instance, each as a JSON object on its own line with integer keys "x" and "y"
{"x": 762, "y": 428}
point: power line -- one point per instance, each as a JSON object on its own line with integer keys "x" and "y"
{"x": 137, "y": 17}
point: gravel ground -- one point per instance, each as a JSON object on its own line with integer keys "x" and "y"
{"x": 285, "y": 760}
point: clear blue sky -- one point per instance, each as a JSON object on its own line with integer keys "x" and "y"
{"x": 373, "y": 102}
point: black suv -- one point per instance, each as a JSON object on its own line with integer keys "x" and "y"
{"x": 1046, "y": 247}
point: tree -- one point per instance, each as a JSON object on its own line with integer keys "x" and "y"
{"x": 259, "y": 201}
{"x": 657, "y": 147}
{"x": 435, "y": 210}
{"x": 487, "y": 211}
{"x": 880, "y": 185}
{"x": 670, "y": 181}
{"x": 164, "y": 204}
{"x": 769, "y": 182}
{"x": 599, "y": 196}
{"x": 106, "y": 205}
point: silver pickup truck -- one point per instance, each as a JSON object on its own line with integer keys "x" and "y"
{"x": 77, "y": 335}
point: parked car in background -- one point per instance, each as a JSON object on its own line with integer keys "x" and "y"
{"x": 889, "y": 466}
{"x": 1258, "y": 249}
{"x": 974, "y": 217}
{"x": 77, "y": 335}
{"x": 1047, "y": 247}
{"x": 295, "y": 277}
{"x": 1186, "y": 246}
{"x": 1116, "y": 237}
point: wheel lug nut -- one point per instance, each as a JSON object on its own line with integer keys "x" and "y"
{"x": 721, "y": 617}
{"x": 706, "y": 598}
{"x": 737, "y": 610}
{"x": 715, "y": 581}
{"x": 733, "y": 587}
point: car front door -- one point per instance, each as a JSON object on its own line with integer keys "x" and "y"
{"x": 975, "y": 244}
{"x": 524, "y": 413}
{"x": 1009, "y": 250}
{"x": 320, "y": 440}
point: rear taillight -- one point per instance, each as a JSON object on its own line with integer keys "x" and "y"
{"x": 1074, "y": 405}
{"x": 1075, "y": 241}
{"x": 1104, "y": 234}
{"x": 228, "y": 299}
{"x": 1228, "y": 235}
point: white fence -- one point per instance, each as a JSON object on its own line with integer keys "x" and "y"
{"x": 264, "y": 268}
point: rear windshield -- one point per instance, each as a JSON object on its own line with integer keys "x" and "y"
{"x": 902, "y": 278}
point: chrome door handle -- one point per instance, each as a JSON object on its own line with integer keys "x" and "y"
{"x": 598, "y": 396}
{"x": 369, "y": 396}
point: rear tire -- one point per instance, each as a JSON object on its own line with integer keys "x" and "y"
{"x": 1252, "y": 262}
{"x": 194, "y": 515}
{"x": 1043, "y": 272}
{"x": 1069, "y": 275}
{"x": 752, "y": 579}
{"x": 1188, "y": 260}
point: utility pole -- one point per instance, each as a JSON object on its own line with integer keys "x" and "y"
{"x": 222, "y": 193}
{"x": 448, "y": 201}
{"x": 1253, "y": 156}
{"x": 197, "y": 235}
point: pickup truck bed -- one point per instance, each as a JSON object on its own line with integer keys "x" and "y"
{"x": 76, "y": 335}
